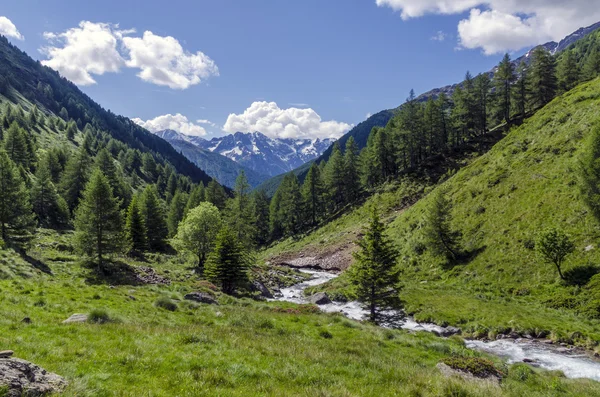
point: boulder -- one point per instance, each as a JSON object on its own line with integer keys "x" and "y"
{"x": 76, "y": 318}
{"x": 26, "y": 379}
{"x": 264, "y": 291}
{"x": 6, "y": 353}
{"x": 320, "y": 298}
{"x": 201, "y": 297}
{"x": 449, "y": 331}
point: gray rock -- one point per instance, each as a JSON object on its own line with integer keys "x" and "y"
{"x": 449, "y": 372}
{"x": 264, "y": 291}
{"x": 320, "y": 298}
{"x": 76, "y": 318}
{"x": 6, "y": 353}
{"x": 26, "y": 379}
{"x": 449, "y": 331}
{"x": 201, "y": 297}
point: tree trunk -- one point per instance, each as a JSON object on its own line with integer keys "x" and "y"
{"x": 559, "y": 271}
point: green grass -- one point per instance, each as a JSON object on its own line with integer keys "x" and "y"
{"x": 241, "y": 347}
{"x": 525, "y": 183}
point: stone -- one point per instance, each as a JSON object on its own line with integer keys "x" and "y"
{"x": 6, "y": 353}
{"x": 201, "y": 297}
{"x": 76, "y": 318}
{"x": 529, "y": 360}
{"x": 320, "y": 298}
{"x": 449, "y": 331}
{"x": 450, "y": 372}
{"x": 26, "y": 379}
{"x": 264, "y": 291}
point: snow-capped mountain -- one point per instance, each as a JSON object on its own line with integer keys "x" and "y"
{"x": 267, "y": 156}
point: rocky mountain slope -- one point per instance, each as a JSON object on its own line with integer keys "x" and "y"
{"x": 222, "y": 168}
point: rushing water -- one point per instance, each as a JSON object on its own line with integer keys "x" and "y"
{"x": 541, "y": 355}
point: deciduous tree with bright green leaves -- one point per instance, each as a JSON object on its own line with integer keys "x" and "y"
{"x": 555, "y": 245}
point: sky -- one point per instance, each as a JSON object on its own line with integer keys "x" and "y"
{"x": 287, "y": 68}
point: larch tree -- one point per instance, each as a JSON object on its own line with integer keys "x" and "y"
{"x": 352, "y": 188}
{"x": 228, "y": 263}
{"x": 135, "y": 229}
{"x": 50, "y": 208}
{"x": 374, "y": 272}
{"x": 313, "y": 195}
{"x": 567, "y": 72}
{"x": 439, "y": 235}
{"x": 176, "y": 211}
{"x": 98, "y": 223}
{"x": 16, "y": 215}
{"x": 503, "y": 80}
{"x": 75, "y": 177}
{"x": 259, "y": 202}
{"x": 153, "y": 214}
{"x": 334, "y": 178}
{"x": 543, "y": 82}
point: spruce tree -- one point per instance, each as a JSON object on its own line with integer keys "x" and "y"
{"x": 106, "y": 164}
{"x": 196, "y": 234}
{"x": 290, "y": 214}
{"x": 228, "y": 263}
{"x": 51, "y": 209}
{"x": 521, "y": 91}
{"x": 439, "y": 235}
{"x": 216, "y": 195}
{"x": 239, "y": 214}
{"x": 590, "y": 173}
{"x": 135, "y": 229}
{"x": 313, "y": 195}
{"x": 483, "y": 85}
{"x": 351, "y": 171}
{"x": 334, "y": 178}
{"x": 71, "y": 130}
{"x": 275, "y": 221}
{"x": 542, "y": 74}
{"x": 591, "y": 65}
{"x": 153, "y": 214}
{"x": 98, "y": 223}
{"x": 195, "y": 198}
{"x": 567, "y": 72}
{"x": 15, "y": 144}
{"x": 259, "y": 204}
{"x": 16, "y": 215}
{"x": 503, "y": 79}
{"x": 75, "y": 177}
{"x": 176, "y": 211}
{"x": 374, "y": 272}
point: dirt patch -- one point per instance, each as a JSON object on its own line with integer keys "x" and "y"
{"x": 333, "y": 259}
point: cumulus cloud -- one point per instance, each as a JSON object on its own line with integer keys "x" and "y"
{"x": 8, "y": 29}
{"x": 80, "y": 52}
{"x": 98, "y": 48}
{"x": 163, "y": 61}
{"x": 497, "y": 26}
{"x": 268, "y": 118}
{"x": 176, "y": 122}
{"x": 439, "y": 36}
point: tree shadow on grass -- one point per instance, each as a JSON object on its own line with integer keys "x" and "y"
{"x": 463, "y": 258}
{"x": 581, "y": 275}
{"x": 112, "y": 273}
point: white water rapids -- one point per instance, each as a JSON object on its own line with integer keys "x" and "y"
{"x": 541, "y": 355}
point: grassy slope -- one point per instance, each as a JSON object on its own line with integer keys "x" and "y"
{"x": 240, "y": 347}
{"x": 525, "y": 183}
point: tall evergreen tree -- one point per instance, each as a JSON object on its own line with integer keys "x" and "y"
{"x": 153, "y": 214}
{"x": 259, "y": 203}
{"x": 290, "y": 212}
{"x": 240, "y": 215}
{"x": 228, "y": 263}
{"x": 15, "y": 144}
{"x": 216, "y": 195}
{"x": 351, "y": 171}
{"x": 135, "y": 228}
{"x": 591, "y": 65}
{"x": 16, "y": 216}
{"x": 176, "y": 211}
{"x": 275, "y": 219}
{"x": 503, "y": 79}
{"x": 334, "y": 178}
{"x": 375, "y": 272}
{"x": 195, "y": 198}
{"x": 106, "y": 164}
{"x": 75, "y": 177}
{"x": 482, "y": 86}
{"x": 98, "y": 223}
{"x": 542, "y": 74}
{"x": 440, "y": 237}
{"x": 567, "y": 72}
{"x": 313, "y": 195}
{"x": 521, "y": 92}
{"x": 71, "y": 130}
{"x": 51, "y": 209}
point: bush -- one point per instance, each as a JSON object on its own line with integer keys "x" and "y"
{"x": 166, "y": 303}
{"x": 98, "y": 316}
{"x": 479, "y": 367}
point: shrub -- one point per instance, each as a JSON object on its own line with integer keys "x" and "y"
{"x": 479, "y": 367}
{"x": 98, "y": 316}
{"x": 166, "y": 303}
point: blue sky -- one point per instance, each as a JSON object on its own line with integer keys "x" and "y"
{"x": 334, "y": 59}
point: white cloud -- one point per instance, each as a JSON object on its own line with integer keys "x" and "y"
{"x": 96, "y": 48}
{"x": 8, "y": 29}
{"x": 80, "y": 52}
{"x": 176, "y": 122}
{"x": 439, "y": 36}
{"x": 207, "y": 122}
{"x": 268, "y": 118}
{"x": 497, "y": 26}
{"x": 163, "y": 61}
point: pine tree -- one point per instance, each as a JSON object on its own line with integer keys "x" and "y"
{"x": 176, "y": 211}
{"x": 440, "y": 236}
{"x": 334, "y": 178}
{"x": 75, "y": 177}
{"x": 483, "y": 85}
{"x": 239, "y": 214}
{"x": 51, "y": 209}
{"x": 567, "y": 72}
{"x": 98, "y": 223}
{"x": 259, "y": 203}
{"x": 275, "y": 221}
{"x": 290, "y": 212}
{"x": 153, "y": 214}
{"x": 106, "y": 164}
{"x": 228, "y": 263}
{"x": 64, "y": 114}
{"x": 352, "y": 188}
{"x": 216, "y": 195}
{"x": 374, "y": 272}
{"x": 196, "y": 197}
{"x": 196, "y": 234}
{"x": 15, "y": 144}
{"x": 521, "y": 92}
{"x": 503, "y": 79}
{"x": 16, "y": 216}
{"x": 71, "y": 130}
{"x": 313, "y": 195}
{"x": 543, "y": 82}
{"x": 135, "y": 229}
{"x": 591, "y": 65}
